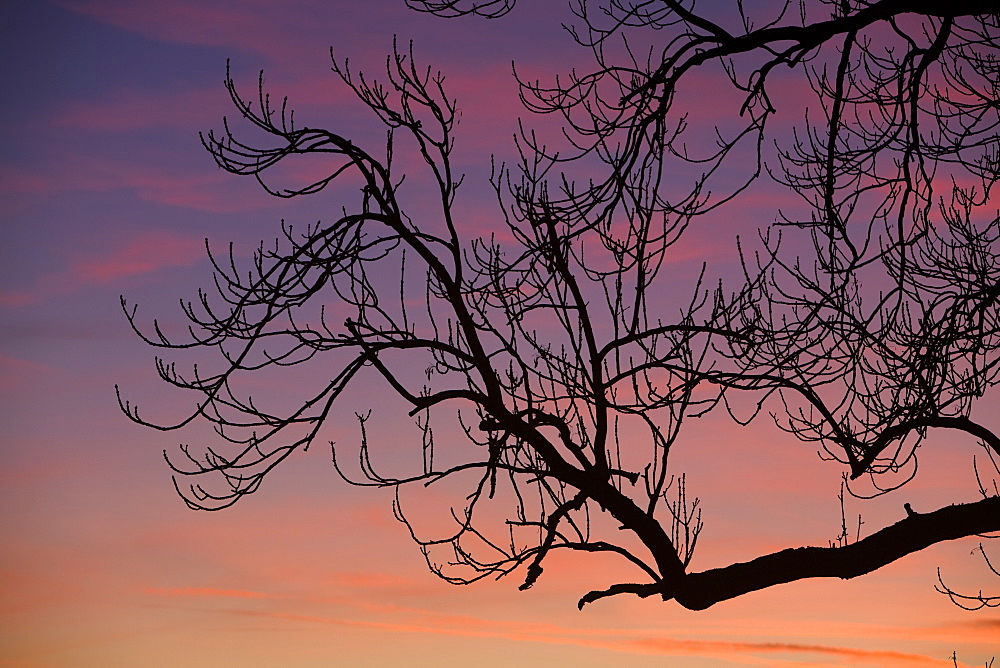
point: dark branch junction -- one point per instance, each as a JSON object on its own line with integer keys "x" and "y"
{"x": 865, "y": 318}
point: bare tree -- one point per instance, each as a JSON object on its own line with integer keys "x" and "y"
{"x": 866, "y": 320}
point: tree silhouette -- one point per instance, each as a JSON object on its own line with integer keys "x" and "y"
{"x": 865, "y": 319}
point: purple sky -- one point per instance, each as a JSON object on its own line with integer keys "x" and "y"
{"x": 106, "y": 191}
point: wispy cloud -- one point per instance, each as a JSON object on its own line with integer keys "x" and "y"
{"x": 143, "y": 254}
{"x": 13, "y": 370}
{"x": 745, "y": 652}
{"x": 199, "y": 108}
{"x": 400, "y": 619}
{"x": 204, "y": 592}
{"x": 126, "y": 110}
{"x": 214, "y": 23}
{"x": 207, "y": 189}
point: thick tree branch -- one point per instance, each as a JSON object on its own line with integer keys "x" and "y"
{"x": 876, "y": 322}
{"x": 697, "y": 591}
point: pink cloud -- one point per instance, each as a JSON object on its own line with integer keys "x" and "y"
{"x": 189, "y": 21}
{"x": 209, "y": 190}
{"x": 15, "y": 298}
{"x": 14, "y": 371}
{"x": 193, "y": 109}
{"x": 162, "y": 173}
{"x": 145, "y": 253}
{"x": 126, "y": 110}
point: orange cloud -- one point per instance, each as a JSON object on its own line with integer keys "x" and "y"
{"x": 882, "y": 657}
{"x": 646, "y": 641}
{"x": 747, "y": 652}
{"x": 370, "y": 580}
{"x": 205, "y": 591}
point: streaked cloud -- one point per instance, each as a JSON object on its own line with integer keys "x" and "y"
{"x": 144, "y": 253}
{"x": 818, "y": 647}
{"x": 216, "y": 23}
{"x": 797, "y": 654}
{"x": 205, "y": 592}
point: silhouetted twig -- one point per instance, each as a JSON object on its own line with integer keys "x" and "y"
{"x": 866, "y": 321}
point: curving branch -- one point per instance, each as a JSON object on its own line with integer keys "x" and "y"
{"x": 917, "y": 531}
{"x": 914, "y": 533}
{"x": 566, "y": 361}
{"x": 491, "y": 9}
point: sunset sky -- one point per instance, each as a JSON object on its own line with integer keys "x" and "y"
{"x": 105, "y": 190}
